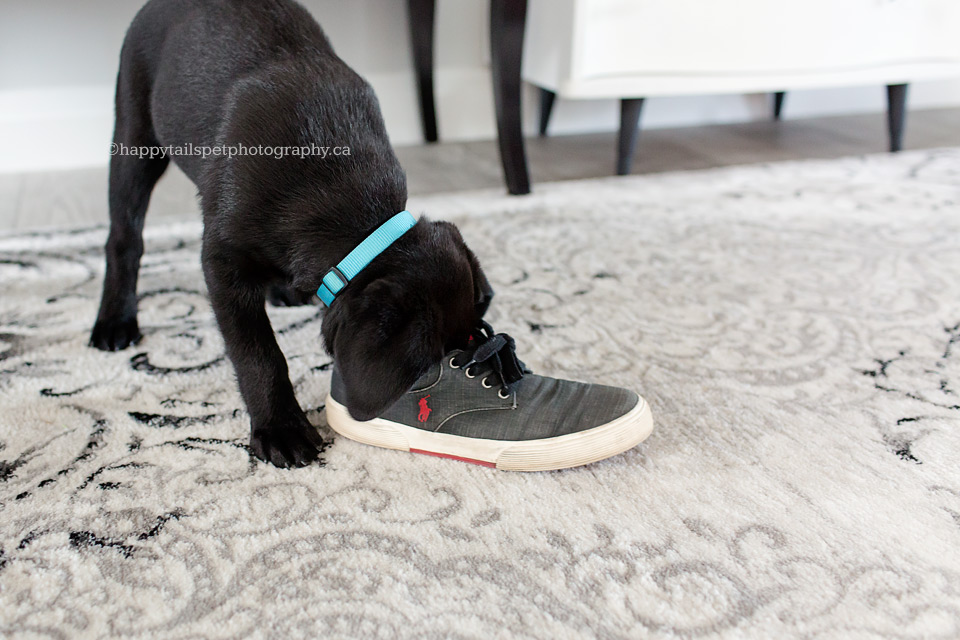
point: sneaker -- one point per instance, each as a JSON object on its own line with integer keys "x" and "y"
{"x": 482, "y": 405}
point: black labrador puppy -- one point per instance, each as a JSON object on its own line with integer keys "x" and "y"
{"x": 218, "y": 74}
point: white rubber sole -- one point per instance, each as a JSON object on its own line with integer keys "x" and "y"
{"x": 546, "y": 454}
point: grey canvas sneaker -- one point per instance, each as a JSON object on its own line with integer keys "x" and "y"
{"x": 481, "y": 405}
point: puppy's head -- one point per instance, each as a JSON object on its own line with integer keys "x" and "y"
{"x": 418, "y": 299}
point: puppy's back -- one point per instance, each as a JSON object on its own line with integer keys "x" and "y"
{"x": 189, "y": 54}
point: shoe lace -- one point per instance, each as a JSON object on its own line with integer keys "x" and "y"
{"x": 498, "y": 352}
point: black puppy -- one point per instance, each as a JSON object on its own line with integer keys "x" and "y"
{"x": 220, "y": 73}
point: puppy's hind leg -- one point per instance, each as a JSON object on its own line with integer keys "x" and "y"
{"x": 285, "y": 295}
{"x": 132, "y": 178}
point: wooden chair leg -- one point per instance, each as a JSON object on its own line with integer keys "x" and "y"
{"x": 896, "y": 114}
{"x": 630, "y": 109}
{"x": 421, "y": 18}
{"x": 778, "y": 104}
{"x": 507, "y": 21}
{"x": 546, "y": 108}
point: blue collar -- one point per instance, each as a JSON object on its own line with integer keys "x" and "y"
{"x": 372, "y": 246}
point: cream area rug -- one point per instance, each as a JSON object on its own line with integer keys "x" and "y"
{"x": 795, "y": 328}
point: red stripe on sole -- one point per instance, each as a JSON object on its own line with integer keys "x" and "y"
{"x": 482, "y": 463}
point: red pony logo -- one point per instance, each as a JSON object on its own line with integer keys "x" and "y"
{"x": 424, "y": 410}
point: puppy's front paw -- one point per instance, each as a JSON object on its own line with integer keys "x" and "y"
{"x": 287, "y": 443}
{"x": 113, "y": 335}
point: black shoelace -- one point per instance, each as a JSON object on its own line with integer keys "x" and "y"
{"x": 494, "y": 352}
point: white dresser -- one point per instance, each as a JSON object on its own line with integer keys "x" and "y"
{"x": 633, "y": 49}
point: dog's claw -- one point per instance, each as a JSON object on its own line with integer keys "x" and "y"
{"x": 286, "y": 445}
{"x": 114, "y": 335}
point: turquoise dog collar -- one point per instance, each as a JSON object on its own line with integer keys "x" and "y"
{"x": 372, "y": 246}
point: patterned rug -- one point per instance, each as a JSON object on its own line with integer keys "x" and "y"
{"x": 795, "y": 328}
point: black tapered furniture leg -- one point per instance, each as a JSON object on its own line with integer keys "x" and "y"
{"x": 546, "y": 108}
{"x": 896, "y": 113}
{"x": 507, "y": 22}
{"x": 421, "y": 20}
{"x": 630, "y": 109}
{"x": 778, "y": 104}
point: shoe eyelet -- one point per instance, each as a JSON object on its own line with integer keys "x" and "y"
{"x": 484, "y": 383}
{"x": 453, "y": 366}
{"x": 501, "y": 396}
{"x": 466, "y": 372}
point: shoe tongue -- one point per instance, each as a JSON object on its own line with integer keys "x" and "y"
{"x": 497, "y": 352}
{"x": 490, "y": 351}
{"x": 513, "y": 369}
{"x": 486, "y": 350}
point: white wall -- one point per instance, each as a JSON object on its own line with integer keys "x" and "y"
{"x": 58, "y": 61}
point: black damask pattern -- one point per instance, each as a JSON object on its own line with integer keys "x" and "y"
{"x": 794, "y": 328}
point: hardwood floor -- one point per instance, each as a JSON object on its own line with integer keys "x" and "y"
{"x": 79, "y": 197}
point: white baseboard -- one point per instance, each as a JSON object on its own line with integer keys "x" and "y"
{"x": 57, "y": 128}
{"x": 71, "y": 127}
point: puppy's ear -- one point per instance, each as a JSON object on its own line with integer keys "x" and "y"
{"x": 381, "y": 344}
{"x": 482, "y": 291}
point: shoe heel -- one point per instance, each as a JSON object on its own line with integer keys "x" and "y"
{"x": 373, "y": 432}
